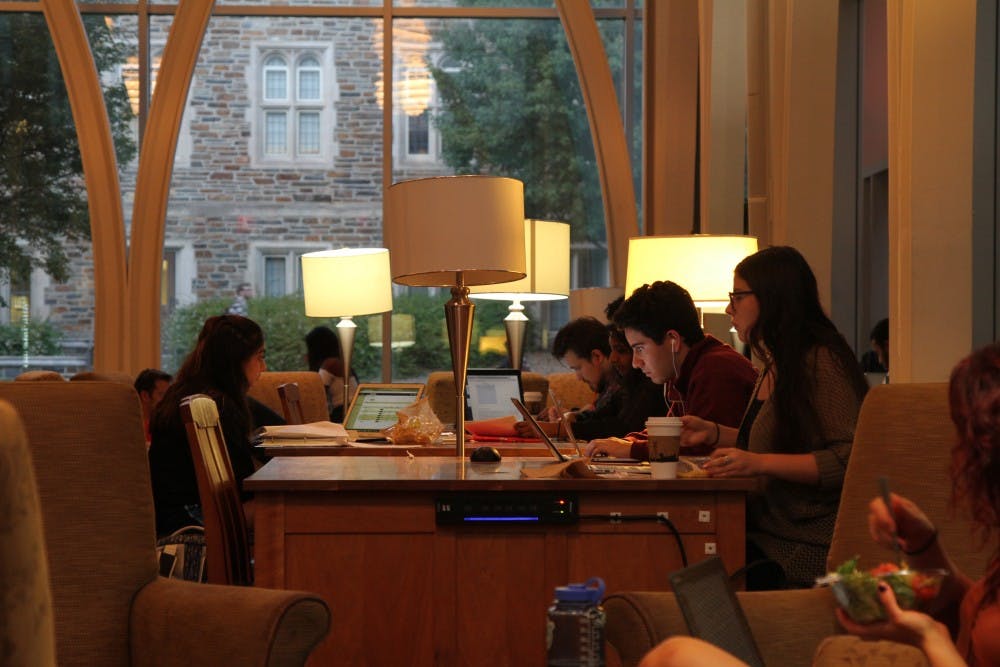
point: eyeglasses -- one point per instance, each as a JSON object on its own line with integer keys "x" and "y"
{"x": 735, "y": 297}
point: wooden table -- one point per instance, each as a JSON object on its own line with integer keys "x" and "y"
{"x": 506, "y": 449}
{"x": 405, "y": 590}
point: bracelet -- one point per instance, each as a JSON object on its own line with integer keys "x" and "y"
{"x": 930, "y": 542}
{"x": 718, "y": 433}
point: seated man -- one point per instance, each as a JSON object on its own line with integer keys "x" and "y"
{"x": 583, "y": 346}
{"x": 151, "y": 384}
{"x": 712, "y": 380}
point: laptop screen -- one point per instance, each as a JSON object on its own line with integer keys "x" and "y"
{"x": 375, "y": 405}
{"x": 488, "y": 392}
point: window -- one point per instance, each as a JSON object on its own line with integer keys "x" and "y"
{"x": 276, "y": 270}
{"x": 294, "y": 124}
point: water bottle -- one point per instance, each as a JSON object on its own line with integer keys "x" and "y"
{"x": 575, "y": 634}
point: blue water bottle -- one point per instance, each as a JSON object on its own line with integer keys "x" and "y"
{"x": 575, "y": 634}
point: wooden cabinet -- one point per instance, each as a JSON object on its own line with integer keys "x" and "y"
{"x": 404, "y": 590}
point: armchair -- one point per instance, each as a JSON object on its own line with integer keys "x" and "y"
{"x": 312, "y": 393}
{"x": 903, "y": 431}
{"x": 110, "y": 607}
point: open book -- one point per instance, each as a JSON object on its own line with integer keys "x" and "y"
{"x": 325, "y": 433}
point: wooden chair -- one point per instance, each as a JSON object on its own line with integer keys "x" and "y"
{"x": 904, "y": 431}
{"x": 291, "y": 403}
{"x": 109, "y": 604}
{"x": 226, "y": 536}
{"x": 312, "y": 393}
{"x": 27, "y": 630}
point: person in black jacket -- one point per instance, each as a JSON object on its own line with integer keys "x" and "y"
{"x": 227, "y": 359}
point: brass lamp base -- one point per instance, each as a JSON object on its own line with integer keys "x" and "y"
{"x": 458, "y": 314}
{"x": 345, "y": 336}
{"x": 515, "y": 323}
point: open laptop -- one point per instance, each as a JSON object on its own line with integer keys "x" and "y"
{"x": 604, "y": 465}
{"x": 488, "y": 392}
{"x": 374, "y": 406}
{"x": 712, "y": 611}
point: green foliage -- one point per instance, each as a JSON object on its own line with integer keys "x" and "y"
{"x": 512, "y": 106}
{"x": 43, "y": 339}
{"x": 285, "y": 325}
{"x": 43, "y": 202}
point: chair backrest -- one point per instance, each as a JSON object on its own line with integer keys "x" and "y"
{"x": 88, "y": 450}
{"x": 440, "y": 391}
{"x": 291, "y": 403}
{"x": 571, "y": 391}
{"x": 27, "y": 634}
{"x": 44, "y": 376}
{"x": 226, "y": 538}
{"x": 103, "y": 376}
{"x": 312, "y": 393}
{"x": 905, "y": 433}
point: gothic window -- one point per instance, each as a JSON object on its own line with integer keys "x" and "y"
{"x": 295, "y": 118}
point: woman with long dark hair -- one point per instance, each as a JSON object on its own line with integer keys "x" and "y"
{"x": 798, "y": 429}
{"x": 227, "y": 359}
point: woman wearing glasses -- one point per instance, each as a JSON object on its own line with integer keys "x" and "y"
{"x": 798, "y": 428}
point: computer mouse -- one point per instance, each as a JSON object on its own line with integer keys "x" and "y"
{"x": 485, "y": 454}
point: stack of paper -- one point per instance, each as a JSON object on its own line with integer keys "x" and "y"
{"x": 315, "y": 433}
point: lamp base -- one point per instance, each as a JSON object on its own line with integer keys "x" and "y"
{"x": 345, "y": 336}
{"x": 458, "y": 313}
{"x": 516, "y": 323}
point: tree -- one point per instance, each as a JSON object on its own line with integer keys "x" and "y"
{"x": 511, "y": 106}
{"x": 43, "y": 203}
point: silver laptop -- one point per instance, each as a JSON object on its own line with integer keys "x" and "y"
{"x": 488, "y": 392}
{"x": 604, "y": 465}
{"x": 375, "y": 406}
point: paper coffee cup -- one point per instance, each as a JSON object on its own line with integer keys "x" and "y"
{"x": 663, "y": 469}
{"x": 533, "y": 400}
{"x": 664, "y": 435}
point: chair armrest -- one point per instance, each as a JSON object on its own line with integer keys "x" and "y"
{"x": 787, "y": 625}
{"x": 175, "y": 622}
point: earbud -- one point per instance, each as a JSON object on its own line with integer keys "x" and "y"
{"x": 673, "y": 344}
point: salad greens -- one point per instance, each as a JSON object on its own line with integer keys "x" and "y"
{"x": 857, "y": 590}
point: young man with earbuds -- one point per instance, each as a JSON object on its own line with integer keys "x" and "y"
{"x": 710, "y": 379}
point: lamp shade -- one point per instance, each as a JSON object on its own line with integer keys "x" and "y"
{"x": 439, "y": 228}
{"x": 546, "y": 249}
{"x": 346, "y": 282}
{"x": 701, "y": 263}
{"x": 591, "y": 301}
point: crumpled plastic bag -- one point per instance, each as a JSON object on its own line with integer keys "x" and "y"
{"x": 417, "y": 425}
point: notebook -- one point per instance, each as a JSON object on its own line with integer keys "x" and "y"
{"x": 604, "y": 465}
{"x": 374, "y": 406}
{"x": 712, "y": 611}
{"x": 488, "y": 392}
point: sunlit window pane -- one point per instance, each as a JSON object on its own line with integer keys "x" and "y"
{"x": 309, "y": 79}
{"x": 274, "y": 276}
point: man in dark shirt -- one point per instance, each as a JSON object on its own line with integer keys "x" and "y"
{"x": 707, "y": 377}
{"x": 584, "y": 347}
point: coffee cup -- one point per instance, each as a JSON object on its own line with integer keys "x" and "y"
{"x": 533, "y": 401}
{"x": 664, "y": 435}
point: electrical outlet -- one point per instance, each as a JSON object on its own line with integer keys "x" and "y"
{"x": 709, "y": 548}
{"x": 704, "y": 516}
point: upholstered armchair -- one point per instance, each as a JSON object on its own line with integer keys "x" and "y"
{"x": 904, "y": 432}
{"x": 109, "y": 605}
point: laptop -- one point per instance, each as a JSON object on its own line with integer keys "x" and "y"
{"x": 604, "y": 465}
{"x": 712, "y": 611}
{"x": 374, "y": 406}
{"x": 488, "y": 392}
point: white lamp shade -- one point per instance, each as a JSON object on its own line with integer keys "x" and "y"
{"x": 438, "y": 228}
{"x": 591, "y": 301}
{"x": 703, "y": 264}
{"x": 546, "y": 249}
{"x": 346, "y": 282}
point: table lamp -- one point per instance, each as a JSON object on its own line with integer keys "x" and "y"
{"x": 344, "y": 283}
{"x": 546, "y": 251}
{"x": 702, "y": 264}
{"x": 456, "y": 231}
{"x": 592, "y": 302}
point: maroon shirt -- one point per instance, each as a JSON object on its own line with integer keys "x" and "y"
{"x": 716, "y": 383}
